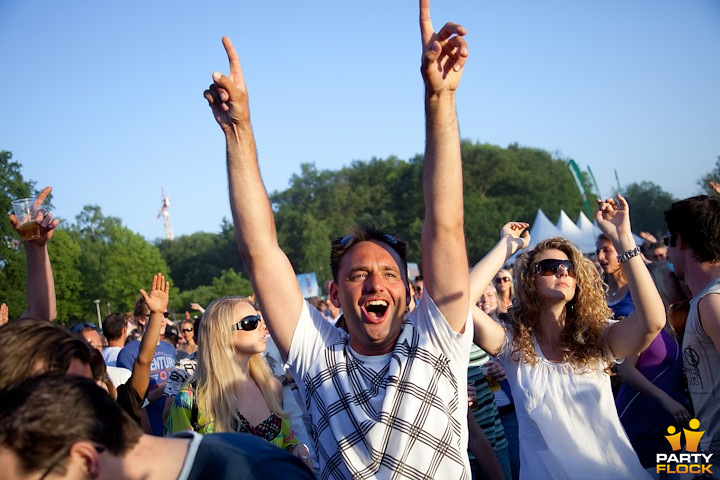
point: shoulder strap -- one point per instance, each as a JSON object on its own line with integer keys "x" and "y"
{"x": 194, "y": 410}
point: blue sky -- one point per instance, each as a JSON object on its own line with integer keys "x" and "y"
{"x": 103, "y": 100}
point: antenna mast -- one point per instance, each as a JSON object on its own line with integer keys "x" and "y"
{"x": 165, "y": 213}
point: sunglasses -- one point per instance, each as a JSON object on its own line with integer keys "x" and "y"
{"x": 61, "y": 457}
{"x": 343, "y": 242}
{"x": 551, "y": 266}
{"x": 187, "y": 330}
{"x": 669, "y": 240}
{"x": 248, "y": 323}
{"x": 502, "y": 279}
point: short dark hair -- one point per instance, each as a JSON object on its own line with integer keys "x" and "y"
{"x": 43, "y": 416}
{"x": 697, "y": 220}
{"x": 141, "y": 310}
{"x": 113, "y": 326}
{"x": 30, "y": 346}
{"x": 363, "y": 233}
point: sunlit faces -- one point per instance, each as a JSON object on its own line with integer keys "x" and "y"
{"x": 94, "y": 339}
{"x": 247, "y": 341}
{"x": 187, "y": 331}
{"x": 607, "y": 256}
{"x": 489, "y": 300}
{"x": 658, "y": 254}
{"x": 555, "y": 288}
{"x": 503, "y": 281}
{"x": 373, "y": 295}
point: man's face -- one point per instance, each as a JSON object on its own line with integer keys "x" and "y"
{"x": 145, "y": 320}
{"x": 419, "y": 289}
{"x": 607, "y": 257}
{"x": 659, "y": 254}
{"x": 372, "y": 293}
{"x": 94, "y": 339}
{"x": 676, "y": 256}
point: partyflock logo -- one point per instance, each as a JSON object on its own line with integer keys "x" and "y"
{"x": 690, "y": 461}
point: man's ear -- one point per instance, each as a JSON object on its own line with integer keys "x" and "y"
{"x": 334, "y": 294}
{"x": 680, "y": 243}
{"x": 84, "y": 457}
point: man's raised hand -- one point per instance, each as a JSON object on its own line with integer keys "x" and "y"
{"x": 43, "y": 218}
{"x": 227, "y": 96}
{"x": 158, "y": 298}
{"x": 444, "y": 53}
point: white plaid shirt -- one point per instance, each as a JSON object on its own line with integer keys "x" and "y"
{"x": 397, "y": 415}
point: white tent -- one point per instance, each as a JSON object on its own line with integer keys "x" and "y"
{"x": 582, "y": 233}
{"x": 540, "y": 229}
{"x": 585, "y": 240}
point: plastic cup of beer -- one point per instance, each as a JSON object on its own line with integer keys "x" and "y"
{"x": 492, "y": 381}
{"x": 25, "y": 212}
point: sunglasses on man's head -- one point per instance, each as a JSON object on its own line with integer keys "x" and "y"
{"x": 551, "y": 266}
{"x": 248, "y": 323}
{"x": 343, "y": 242}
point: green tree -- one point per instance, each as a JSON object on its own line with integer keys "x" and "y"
{"x": 228, "y": 283}
{"x": 648, "y": 203}
{"x": 712, "y": 176}
{"x": 12, "y": 256}
{"x": 115, "y": 262}
{"x": 66, "y": 253}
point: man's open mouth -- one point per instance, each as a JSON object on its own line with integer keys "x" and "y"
{"x": 375, "y": 310}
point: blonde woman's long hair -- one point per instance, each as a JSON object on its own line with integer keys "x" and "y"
{"x": 583, "y": 340}
{"x": 219, "y": 372}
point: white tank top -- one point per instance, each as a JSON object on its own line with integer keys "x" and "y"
{"x": 702, "y": 370}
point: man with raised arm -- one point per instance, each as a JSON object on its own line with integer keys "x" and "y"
{"x": 383, "y": 398}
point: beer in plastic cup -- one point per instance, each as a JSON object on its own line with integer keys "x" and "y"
{"x": 492, "y": 381}
{"x": 25, "y": 211}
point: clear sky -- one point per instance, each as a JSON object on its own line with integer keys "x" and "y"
{"x": 103, "y": 100}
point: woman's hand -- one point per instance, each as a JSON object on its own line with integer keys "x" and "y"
{"x": 678, "y": 411}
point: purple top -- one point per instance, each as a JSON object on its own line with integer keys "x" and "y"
{"x": 644, "y": 419}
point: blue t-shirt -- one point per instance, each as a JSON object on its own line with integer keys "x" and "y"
{"x": 624, "y": 307}
{"x": 162, "y": 363}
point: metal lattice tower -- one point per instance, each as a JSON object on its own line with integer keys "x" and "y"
{"x": 165, "y": 213}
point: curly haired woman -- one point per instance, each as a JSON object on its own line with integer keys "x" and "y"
{"x": 559, "y": 347}
{"x": 235, "y": 390}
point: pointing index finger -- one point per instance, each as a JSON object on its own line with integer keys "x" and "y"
{"x": 43, "y": 195}
{"x": 426, "y": 28}
{"x": 233, "y": 59}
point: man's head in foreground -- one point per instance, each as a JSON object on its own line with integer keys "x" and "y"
{"x": 56, "y": 425}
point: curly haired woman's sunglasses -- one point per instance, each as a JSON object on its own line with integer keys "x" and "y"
{"x": 248, "y": 323}
{"x": 551, "y": 266}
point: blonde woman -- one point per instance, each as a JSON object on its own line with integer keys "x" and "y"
{"x": 235, "y": 390}
{"x": 504, "y": 285}
{"x": 559, "y": 346}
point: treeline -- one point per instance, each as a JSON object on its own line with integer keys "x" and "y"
{"x": 97, "y": 258}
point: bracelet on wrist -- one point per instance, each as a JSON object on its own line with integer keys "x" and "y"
{"x": 625, "y": 256}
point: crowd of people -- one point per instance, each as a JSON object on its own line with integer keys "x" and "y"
{"x": 559, "y": 366}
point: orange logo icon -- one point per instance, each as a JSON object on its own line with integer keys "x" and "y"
{"x": 692, "y": 437}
